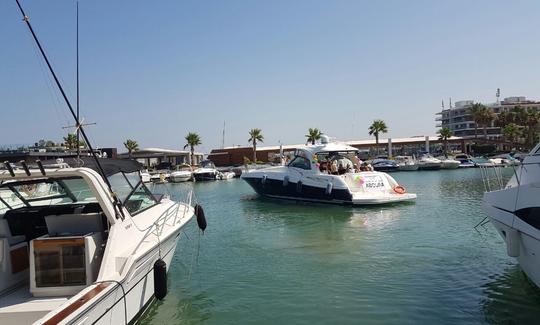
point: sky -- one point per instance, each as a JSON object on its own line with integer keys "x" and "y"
{"x": 153, "y": 71}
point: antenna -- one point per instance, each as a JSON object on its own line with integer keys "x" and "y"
{"x": 223, "y": 137}
{"x": 117, "y": 202}
{"x": 78, "y": 133}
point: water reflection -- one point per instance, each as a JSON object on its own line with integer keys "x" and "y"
{"x": 511, "y": 298}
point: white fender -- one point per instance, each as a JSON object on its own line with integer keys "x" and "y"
{"x": 512, "y": 242}
{"x": 329, "y": 188}
{"x": 286, "y": 181}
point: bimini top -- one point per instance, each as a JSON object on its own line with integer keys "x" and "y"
{"x": 110, "y": 166}
{"x": 329, "y": 147}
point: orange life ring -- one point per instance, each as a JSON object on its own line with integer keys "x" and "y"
{"x": 399, "y": 189}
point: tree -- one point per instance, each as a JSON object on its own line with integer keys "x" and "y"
{"x": 511, "y": 132}
{"x": 131, "y": 145}
{"x": 313, "y": 135}
{"x": 377, "y": 127}
{"x": 445, "y": 134}
{"x": 255, "y": 136}
{"x": 71, "y": 141}
{"x": 482, "y": 116}
{"x": 193, "y": 140}
{"x": 532, "y": 123}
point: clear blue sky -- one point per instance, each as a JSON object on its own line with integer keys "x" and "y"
{"x": 154, "y": 70}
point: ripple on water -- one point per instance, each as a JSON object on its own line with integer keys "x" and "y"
{"x": 266, "y": 262}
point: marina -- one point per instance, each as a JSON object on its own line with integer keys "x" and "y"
{"x": 262, "y": 219}
{"x": 417, "y": 263}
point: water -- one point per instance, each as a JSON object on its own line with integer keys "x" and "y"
{"x": 271, "y": 262}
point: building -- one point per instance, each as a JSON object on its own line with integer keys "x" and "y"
{"x": 234, "y": 156}
{"x": 31, "y": 154}
{"x": 460, "y": 121}
{"x": 151, "y": 157}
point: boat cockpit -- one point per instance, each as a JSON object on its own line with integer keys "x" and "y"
{"x": 335, "y": 162}
{"x": 53, "y": 235}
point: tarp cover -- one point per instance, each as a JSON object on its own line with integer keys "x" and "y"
{"x": 110, "y": 166}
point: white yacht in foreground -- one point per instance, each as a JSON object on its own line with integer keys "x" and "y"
{"x": 326, "y": 173}
{"x": 515, "y": 212}
{"x": 75, "y": 251}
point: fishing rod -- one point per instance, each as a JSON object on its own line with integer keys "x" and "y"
{"x": 26, "y": 19}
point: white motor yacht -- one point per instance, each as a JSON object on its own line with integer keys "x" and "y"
{"x": 428, "y": 162}
{"x": 406, "y": 163}
{"x": 98, "y": 254}
{"x": 182, "y": 173}
{"x": 206, "y": 172}
{"x": 515, "y": 212}
{"x": 314, "y": 175}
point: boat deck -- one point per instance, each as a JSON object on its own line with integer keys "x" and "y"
{"x": 21, "y": 307}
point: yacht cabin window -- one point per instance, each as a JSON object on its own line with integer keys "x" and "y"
{"x": 300, "y": 162}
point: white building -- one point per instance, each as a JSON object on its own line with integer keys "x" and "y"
{"x": 460, "y": 121}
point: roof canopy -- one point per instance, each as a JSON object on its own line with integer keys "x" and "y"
{"x": 110, "y": 166}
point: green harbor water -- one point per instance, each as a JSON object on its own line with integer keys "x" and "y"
{"x": 273, "y": 262}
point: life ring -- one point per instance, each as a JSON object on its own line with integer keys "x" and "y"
{"x": 399, "y": 189}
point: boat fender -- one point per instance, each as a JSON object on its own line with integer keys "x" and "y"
{"x": 329, "y": 188}
{"x": 512, "y": 242}
{"x": 160, "y": 279}
{"x": 286, "y": 181}
{"x": 399, "y": 189}
{"x": 263, "y": 180}
{"x": 201, "y": 219}
{"x": 299, "y": 187}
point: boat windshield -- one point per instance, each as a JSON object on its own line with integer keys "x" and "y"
{"x": 132, "y": 192}
{"x": 337, "y": 162}
{"x": 41, "y": 192}
{"x": 207, "y": 164}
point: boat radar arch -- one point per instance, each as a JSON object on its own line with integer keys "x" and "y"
{"x": 324, "y": 139}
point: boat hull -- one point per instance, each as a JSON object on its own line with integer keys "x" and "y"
{"x": 278, "y": 189}
{"x": 210, "y": 176}
{"x": 429, "y": 166}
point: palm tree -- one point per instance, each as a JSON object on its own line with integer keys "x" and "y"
{"x": 71, "y": 141}
{"x": 482, "y": 116}
{"x": 532, "y": 122}
{"x": 313, "y": 135}
{"x": 378, "y": 126}
{"x": 445, "y": 134}
{"x": 131, "y": 145}
{"x": 254, "y": 136}
{"x": 511, "y": 132}
{"x": 503, "y": 119}
{"x": 193, "y": 139}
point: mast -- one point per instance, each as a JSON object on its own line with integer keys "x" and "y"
{"x": 117, "y": 202}
{"x": 78, "y": 117}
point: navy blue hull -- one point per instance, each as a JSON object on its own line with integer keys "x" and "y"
{"x": 293, "y": 191}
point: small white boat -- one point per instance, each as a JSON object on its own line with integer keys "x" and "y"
{"x": 449, "y": 163}
{"x": 226, "y": 175}
{"x": 145, "y": 176}
{"x": 314, "y": 175}
{"x": 428, "y": 162}
{"x": 406, "y": 163}
{"x": 182, "y": 173}
{"x": 206, "y": 172}
{"x": 514, "y": 211}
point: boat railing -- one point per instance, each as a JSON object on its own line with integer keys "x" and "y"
{"x": 492, "y": 177}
